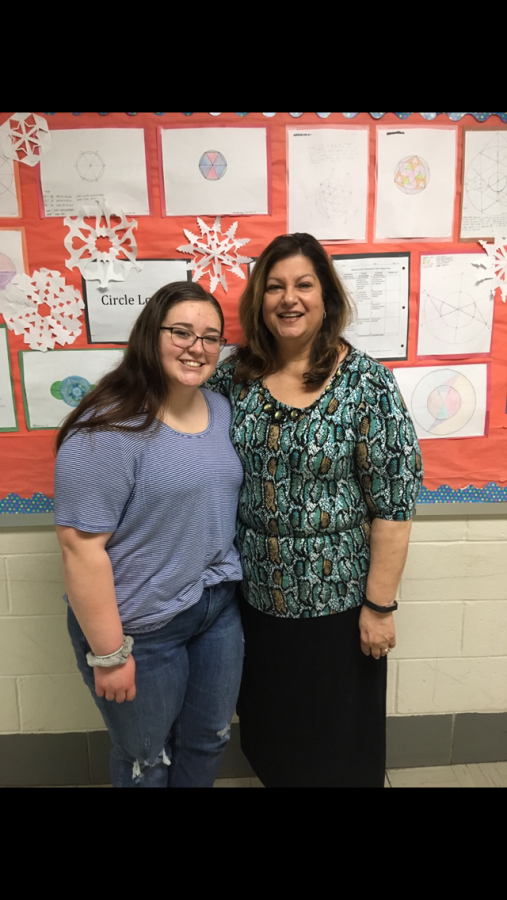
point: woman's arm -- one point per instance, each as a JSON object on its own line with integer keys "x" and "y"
{"x": 388, "y": 553}
{"x": 90, "y": 588}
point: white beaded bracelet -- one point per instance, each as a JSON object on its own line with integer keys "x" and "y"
{"x": 118, "y": 658}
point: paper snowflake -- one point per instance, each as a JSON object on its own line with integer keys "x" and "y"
{"x": 21, "y": 305}
{"x": 498, "y": 252}
{"x": 25, "y": 137}
{"x": 213, "y": 250}
{"x": 106, "y": 251}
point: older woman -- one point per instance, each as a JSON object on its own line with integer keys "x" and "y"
{"x": 332, "y": 473}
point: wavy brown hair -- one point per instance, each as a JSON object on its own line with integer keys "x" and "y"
{"x": 138, "y": 386}
{"x": 257, "y": 358}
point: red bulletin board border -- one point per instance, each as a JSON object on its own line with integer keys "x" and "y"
{"x": 27, "y": 458}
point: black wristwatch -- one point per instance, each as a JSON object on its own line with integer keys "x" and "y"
{"x": 380, "y": 609}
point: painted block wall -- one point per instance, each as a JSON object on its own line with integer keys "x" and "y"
{"x": 451, "y": 655}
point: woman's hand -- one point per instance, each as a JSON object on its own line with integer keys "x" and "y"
{"x": 116, "y": 682}
{"x": 377, "y": 632}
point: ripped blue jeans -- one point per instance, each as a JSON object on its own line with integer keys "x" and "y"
{"x": 187, "y": 678}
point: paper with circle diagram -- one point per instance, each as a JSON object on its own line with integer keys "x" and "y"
{"x": 416, "y": 182}
{"x": 484, "y": 196}
{"x": 445, "y": 402}
{"x": 55, "y": 382}
{"x": 88, "y": 164}
{"x": 328, "y": 182}
{"x": 11, "y": 257}
{"x": 9, "y": 207}
{"x": 456, "y": 305}
{"x": 215, "y": 171}
{"x": 8, "y": 420}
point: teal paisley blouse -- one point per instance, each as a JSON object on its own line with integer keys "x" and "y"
{"x": 314, "y": 480}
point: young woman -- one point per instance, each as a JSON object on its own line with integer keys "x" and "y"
{"x": 146, "y": 491}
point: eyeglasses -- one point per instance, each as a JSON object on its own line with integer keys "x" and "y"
{"x": 212, "y": 343}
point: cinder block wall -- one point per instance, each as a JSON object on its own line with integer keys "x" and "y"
{"x": 451, "y": 657}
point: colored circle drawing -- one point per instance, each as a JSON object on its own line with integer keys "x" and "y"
{"x": 443, "y": 402}
{"x": 90, "y": 166}
{"x": 412, "y": 175}
{"x": 71, "y": 390}
{"x": 212, "y": 165}
{"x": 486, "y": 178}
{"x": 7, "y": 271}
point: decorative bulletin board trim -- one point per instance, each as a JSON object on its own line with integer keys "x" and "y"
{"x": 454, "y": 117}
{"x": 492, "y": 493}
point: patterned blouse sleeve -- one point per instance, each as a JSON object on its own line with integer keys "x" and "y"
{"x": 221, "y": 380}
{"x": 387, "y": 453}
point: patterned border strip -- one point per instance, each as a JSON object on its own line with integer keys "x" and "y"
{"x": 15, "y": 504}
{"x": 455, "y": 117}
{"x": 491, "y": 493}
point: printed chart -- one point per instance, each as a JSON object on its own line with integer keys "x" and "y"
{"x": 379, "y": 286}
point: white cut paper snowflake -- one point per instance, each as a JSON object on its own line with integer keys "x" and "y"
{"x": 212, "y": 251}
{"x": 498, "y": 252}
{"x": 25, "y": 137}
{"x": 112, "y": 264}
{"x": 20, "y": 305}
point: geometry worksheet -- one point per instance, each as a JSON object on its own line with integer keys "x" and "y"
{"x": 85, "y": 164}
{"x": 484, "y": 197}
{"x": 328, "y": 182}
{"x": 8, "y": 421}
{"x": 445, "y": 401}
{"x": 456, "y": 305}
{"x": 416, "y": 178}
{"x": 215, "y": 171}
{"x": 54, "y": 383}
{"x": 8, "y": 195}
{"x": 11, "y": 256}
{"x": 111, "y": 312}
{"x": 379, "y": 285}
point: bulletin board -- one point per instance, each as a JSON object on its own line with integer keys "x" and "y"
{"x": 98, "y": 210}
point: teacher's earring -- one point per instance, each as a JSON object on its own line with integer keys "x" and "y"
{"x": 325, "y": 314}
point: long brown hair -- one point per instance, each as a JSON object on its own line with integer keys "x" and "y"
{"x": 137, "y": 388}
{"x": 258, "y": 357}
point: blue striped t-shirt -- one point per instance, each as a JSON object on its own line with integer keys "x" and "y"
{"x": 170, "y": 500}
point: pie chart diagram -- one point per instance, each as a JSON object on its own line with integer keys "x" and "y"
{"x": 443, "y": 402}
{"x": 7, "y": 271}
{"x": 212, "y": 165}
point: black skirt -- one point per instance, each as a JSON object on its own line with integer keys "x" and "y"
{"x": 312, "y": 706}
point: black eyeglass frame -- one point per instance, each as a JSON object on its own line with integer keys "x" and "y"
{"x": 171, "y": 328}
